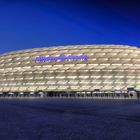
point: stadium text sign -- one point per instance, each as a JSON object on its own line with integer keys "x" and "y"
{"x": 60, "y": 58}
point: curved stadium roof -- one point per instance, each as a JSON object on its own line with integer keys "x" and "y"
{"x": 107, "y": 67}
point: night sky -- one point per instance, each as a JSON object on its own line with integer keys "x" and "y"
{"x": 37, "y": 23}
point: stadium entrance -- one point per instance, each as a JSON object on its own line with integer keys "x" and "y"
{"x": 129, "y": 94}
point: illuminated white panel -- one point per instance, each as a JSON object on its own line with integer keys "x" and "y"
{"x": 117, "y": 63}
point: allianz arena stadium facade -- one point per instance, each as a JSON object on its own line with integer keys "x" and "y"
{"x": 79, "y": 71}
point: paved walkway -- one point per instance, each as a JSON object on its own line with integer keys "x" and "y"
{"x": 69, "y": 119}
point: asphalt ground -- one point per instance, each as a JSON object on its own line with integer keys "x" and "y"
{"x": 69, "y": 119}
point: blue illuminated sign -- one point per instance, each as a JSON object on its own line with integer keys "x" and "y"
{"x": 61, "y": 58}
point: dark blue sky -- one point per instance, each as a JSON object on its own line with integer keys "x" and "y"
{"x": 36, "y": 23}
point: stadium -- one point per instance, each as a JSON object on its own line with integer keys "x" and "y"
{"x": 95, "y": 71}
